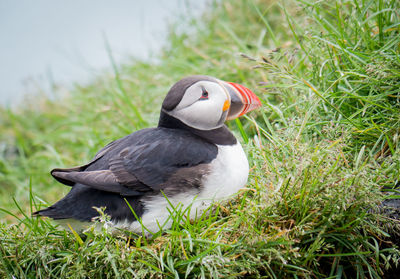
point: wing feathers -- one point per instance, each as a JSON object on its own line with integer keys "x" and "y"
{"x": 124, "y": 177}
{"x": 65, "y": 180}
{"x": 147, "y": 160}
{"x": 100, "y": 177}
{"x": 103, "y": 180}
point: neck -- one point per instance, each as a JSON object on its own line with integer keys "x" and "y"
{"x": 220, "y": 136}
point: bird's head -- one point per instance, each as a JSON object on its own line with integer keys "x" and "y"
{"x": 205, "y": 103}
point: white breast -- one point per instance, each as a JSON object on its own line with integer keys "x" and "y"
{"x": 229, "y": 172}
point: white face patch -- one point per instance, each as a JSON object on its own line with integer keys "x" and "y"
{"x": 202, "y": 106}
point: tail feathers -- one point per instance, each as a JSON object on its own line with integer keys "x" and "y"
{"x": 62, "y": 219}
{"x": 51, "y": 212}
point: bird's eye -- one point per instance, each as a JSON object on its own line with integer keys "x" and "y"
{"x": 204, "y": 95}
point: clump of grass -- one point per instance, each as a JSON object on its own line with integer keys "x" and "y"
{"x": 326, "y": 73}
{"x": 351, "y": 52}
{"x": 304, "y": 214}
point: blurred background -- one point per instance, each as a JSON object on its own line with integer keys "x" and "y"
{"x": 324, "y": 149}
{"x": 48, "y": 42}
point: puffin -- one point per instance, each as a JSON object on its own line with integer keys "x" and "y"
{"x": 190, "y": 159}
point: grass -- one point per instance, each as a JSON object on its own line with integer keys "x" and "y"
{"x": 321, "y": 149}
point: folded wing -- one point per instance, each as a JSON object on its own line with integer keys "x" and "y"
{"x": 148, "y": 160}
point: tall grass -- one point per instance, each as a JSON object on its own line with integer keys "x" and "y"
{"x": 351, "y": 52}
{"x": 321, "y": 149}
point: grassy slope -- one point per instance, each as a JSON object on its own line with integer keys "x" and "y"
{"x": 324, "y": 144}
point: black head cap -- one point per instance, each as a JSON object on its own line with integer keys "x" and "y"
{"x": 175, "y": 94}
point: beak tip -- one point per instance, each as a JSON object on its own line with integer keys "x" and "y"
{"x": 243, "y": 99}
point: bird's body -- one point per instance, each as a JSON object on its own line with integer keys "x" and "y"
{"x": 192, "y": 163}
{"x": 229, "y": 174}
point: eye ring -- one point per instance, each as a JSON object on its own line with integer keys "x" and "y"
{"x": 204, "y": 95}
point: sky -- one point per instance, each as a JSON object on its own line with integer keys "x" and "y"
{"x": 45, "y": 41}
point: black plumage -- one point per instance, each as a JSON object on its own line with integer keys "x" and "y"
{"x": 133, "y": 167}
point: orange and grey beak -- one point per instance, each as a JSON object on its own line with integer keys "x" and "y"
{"x": 242, "y": 100}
